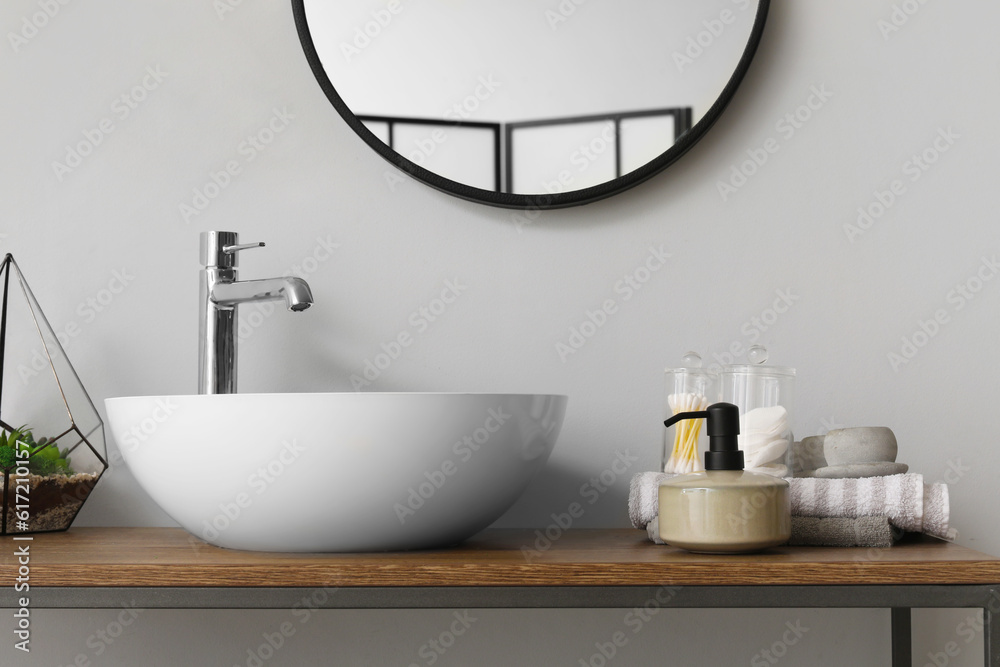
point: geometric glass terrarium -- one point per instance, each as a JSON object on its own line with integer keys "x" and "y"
{"x": 52, "y": 449}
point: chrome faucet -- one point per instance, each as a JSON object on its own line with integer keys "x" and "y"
{"x": 221, "y": 293}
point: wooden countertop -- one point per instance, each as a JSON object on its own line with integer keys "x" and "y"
{"x": 170, "y": 557}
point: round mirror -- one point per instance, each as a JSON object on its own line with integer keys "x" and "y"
{"x": 530, "y": 103}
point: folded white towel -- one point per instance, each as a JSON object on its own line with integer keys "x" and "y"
{"x": 644, "y": 497}
{"x": 910, "y": 504}
{"x": 937, "y": 511}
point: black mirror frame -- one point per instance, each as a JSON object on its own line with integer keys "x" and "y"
{"x": 534, "y": 201}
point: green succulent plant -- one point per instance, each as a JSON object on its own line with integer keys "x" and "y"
{"x": 8, "y": 444}
{"x": 44, "y": 457}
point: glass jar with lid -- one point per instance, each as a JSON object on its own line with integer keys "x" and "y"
{"x": 689, "y": 388}
{"x": 764, "y": 397}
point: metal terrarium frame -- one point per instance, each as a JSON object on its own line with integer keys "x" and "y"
{"x": 38, "y": 494}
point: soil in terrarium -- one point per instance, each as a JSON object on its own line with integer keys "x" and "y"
{"x": 51, "y": 488}
{"x": 53, "y": 500}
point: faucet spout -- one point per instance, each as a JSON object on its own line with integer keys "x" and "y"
{"x": 293, "y": 290}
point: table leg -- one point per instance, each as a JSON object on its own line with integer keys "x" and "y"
{"x": 991, "y": 635}
{"x": 902, "y": 641}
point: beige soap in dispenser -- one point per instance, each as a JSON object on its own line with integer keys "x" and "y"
{"x": 724, "y": 509}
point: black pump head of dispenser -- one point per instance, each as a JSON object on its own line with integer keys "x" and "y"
{"x": 723, "y": 425}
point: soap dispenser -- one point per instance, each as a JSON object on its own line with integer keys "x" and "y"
{"x": 724, "y": 509}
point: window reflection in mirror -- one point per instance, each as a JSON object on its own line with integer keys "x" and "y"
{"x": 530, "y": 96}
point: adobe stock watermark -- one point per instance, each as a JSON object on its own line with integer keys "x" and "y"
{"x": 749, "y": 506}
{"x": 102, "y": 638}
{"x": 435, "y": 647}
{"x": 696, "y": 45}
{"x": 913, "y": 168}
{"x": 582, "y": 157}
{"x": 827, "y": 424}
{"x": 87, "y": 311}
{"x": 590, "y": 491}
{"x": 22, "y": 553}
{"x": 752, "y": 329}
{"x": 807, "y": 454}
{"x": 258, "y": 481}
{"x": 772, "y": 655}
{"x": 957, "y": 298}
{"x": 900, "y": 15}
{"x": 121, "y": 108}
{"x": 956, "y": 471}
{"x": 521, "y": 219}
{"x": 873, "y": 554}
{"x": 251, "y": 316}
{"x": 465, "y": 108}
{"x": 304, "y": 609}
{"x": 560, "y": 13}
{"x": 225, "y": 7}
{"x": 424, "y": 147}
{"x": 140, "y": 432}
{"x": 365, "y": 35}
{"x": 247, "y": 151}
{"x": 463, "y": 449}
{"x": 273, "y": 641}
{"x": 967, "y": 629}
{"x": 32, "y": 24}
{"x": 635, "y": 620}
{"x": 420, "y": 320}
{"x": 786, "y": 127}
{"x": 627, "y": 287}
{"x": 130, "y": 440}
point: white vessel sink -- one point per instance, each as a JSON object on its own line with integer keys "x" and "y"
{"x": 335, "y": 471}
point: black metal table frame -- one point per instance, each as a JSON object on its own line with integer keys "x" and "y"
{"x": 900, "y": 598}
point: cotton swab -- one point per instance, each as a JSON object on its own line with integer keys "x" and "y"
{"x": 684, "y": 455}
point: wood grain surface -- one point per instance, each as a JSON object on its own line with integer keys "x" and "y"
{"x": 111, "y": 557}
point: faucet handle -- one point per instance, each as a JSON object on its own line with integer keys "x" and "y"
{"x": 218, "y": 249}
{"x": 232, "y": 249}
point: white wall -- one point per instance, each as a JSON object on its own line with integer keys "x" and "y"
{"x": 783, "y": 230}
